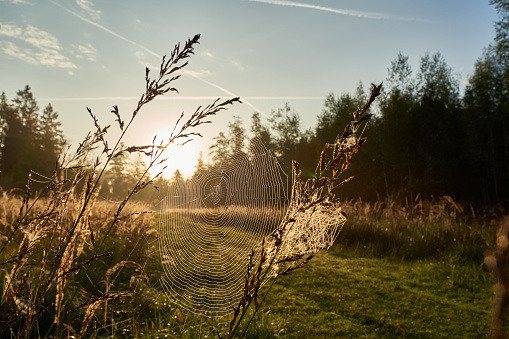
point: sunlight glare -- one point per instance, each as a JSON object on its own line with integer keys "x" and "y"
{"x": 184, "y": 158}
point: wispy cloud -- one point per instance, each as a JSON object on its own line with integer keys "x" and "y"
{"x": 93, "y": 23}
{"x": 285, "y": 98}
{"x": 43, "y": 48}
{"x": 191, "y": 73}
{"x": 86, "y": 51}
{"x": 16, "y": 2}
{"x": 143, "y": 60}
{"x": 87, "y": 7}
{"x": 208, "y": 54}
{"x": 238, "y": 65}
{"x": 348, "y": 12}
{"x": 13, "y": 50}
{"x": 198, "y": 74}
{"x": 142, "y": 23}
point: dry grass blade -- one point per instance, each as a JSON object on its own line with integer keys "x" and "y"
{"x": 55, "y": 229}
{"x": 128, "y": 263}
{"x": 314, "y": 217}
{"x": 93, "y": 304}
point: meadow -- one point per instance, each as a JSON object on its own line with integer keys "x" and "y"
{"x": 76, "y": 264}
{"x": 393, "y": 272}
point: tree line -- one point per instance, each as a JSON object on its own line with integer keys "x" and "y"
{"x": 428, "y": 137}
{"x": 30, "y": 140}
{"x": 425, "y": 138}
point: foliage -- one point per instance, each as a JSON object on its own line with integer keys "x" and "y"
{"x": 29, "y": 141}
{"x": 502, "y": 26}
{"x": 285, "y": 125}
{"x": 429, "y": 140}
{"x": 227, "y": 145}
{"x": 486, "y": 111}
{"x": 416, "y": 229}
{"x": 260, "y": 131}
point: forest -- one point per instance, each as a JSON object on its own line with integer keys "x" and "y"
{"x": 427, "y": 136}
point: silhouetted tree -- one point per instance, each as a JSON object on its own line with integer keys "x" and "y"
{"x": 486, "y": 103}
{"x": 261, "y": 131}
{"x": 399, "y": 77}
{"x": 502, "y": 25}
{"x": 115, "y": 181}
{"x": 286, "y": 134}
{"x": 177, "y": 176}
{"x": 200, "y": 164}
{"x": 394, "y": 151}
{"x": 436, "y": 82}
{"x": 51, "y": 137}
{"x": 424, "y": 138}
{"x": 29, "y": 141}
{"x": 226, "y": 146}
{"x": 336, "y": 114}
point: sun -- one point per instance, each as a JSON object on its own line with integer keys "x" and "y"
{"x": 181, "y": 157}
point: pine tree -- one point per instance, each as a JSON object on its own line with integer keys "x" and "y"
{"x": 51, "y": 138}
{"x": 28, "y": 141}
{"x": 228, "y": 145}
{"x": 20, "y": 136}
{"x": 177, "y": 177}
{"x": 487, "y": 119}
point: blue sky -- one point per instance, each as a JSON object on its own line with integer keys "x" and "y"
{"x": 91, "y": 53}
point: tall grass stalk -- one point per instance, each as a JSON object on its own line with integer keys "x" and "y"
{"x": 52, "y": 237}
{"x": 416, "y": 229}
{"x": 313, "y": 220}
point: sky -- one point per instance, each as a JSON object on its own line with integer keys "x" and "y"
{"x": 76, "y": 54}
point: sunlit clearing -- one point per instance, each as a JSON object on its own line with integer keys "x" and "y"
{"x": 184, "y": 158}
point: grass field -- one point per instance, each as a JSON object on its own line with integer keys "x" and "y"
{"x": 347, "y": 295}
{"x": 338, "y": 296}
{"x": 387, "y": 276}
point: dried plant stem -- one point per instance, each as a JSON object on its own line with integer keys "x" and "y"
{"x": 25, "y": 299}
{"x": 313, "y": 219}
{"x": 260, "y": 304}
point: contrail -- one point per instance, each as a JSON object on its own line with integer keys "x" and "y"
{"x": 359, "y": 14}
{"x": 179, "y": 98}
{"x": 93, "y": 23}
{"x": 121, "y": 37}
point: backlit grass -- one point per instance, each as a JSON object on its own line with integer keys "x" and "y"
{"x": 349, "y": 296}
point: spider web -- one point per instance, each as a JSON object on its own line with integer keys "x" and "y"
{"x": 210, "y": 223}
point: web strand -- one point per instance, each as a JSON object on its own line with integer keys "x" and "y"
{"x": 210, "y": 223}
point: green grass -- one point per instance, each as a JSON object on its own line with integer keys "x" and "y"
{"x": 374, "y": 283}
{"x": 340, "y": 295}
{"x": 379, "y": 237}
